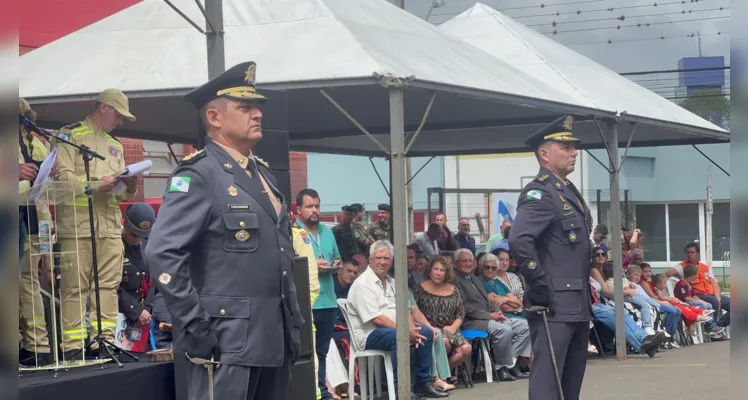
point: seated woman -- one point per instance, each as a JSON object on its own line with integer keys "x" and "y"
{"x": 441, "y": 304}
{"x": 636, "y": 337}
{"x": 503, "y": 288}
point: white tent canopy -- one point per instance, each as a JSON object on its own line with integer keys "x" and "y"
{"x": 565, "y": 69}
{"x": 344, "y": 46}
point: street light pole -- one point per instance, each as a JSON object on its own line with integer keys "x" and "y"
{"x": 214, "y": 37}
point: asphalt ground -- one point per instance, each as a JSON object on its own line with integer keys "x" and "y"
{"x": 694, "y": 372}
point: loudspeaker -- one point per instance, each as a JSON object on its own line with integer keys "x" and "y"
{"x": 301, "y": 280}
{"x": 283, "y": 178}
{"x": 273, "y": 148}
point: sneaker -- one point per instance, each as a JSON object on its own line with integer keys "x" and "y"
{"x": 667, "y": 335}
{"x": 674, "y": 344}
{"x": 649, "y": 331}
{"x": 716, "y": 331}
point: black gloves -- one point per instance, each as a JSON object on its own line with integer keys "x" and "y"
{"x": 539, "y": 294}
{"x": 199, "y": 341}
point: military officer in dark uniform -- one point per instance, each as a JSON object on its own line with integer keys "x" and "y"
{"x": 550, "y": 242}
{"x": 136, "y": 290}
{"x": 222, "y": 255}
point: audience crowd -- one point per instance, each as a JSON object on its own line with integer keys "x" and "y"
{"x": 463, "y": 295}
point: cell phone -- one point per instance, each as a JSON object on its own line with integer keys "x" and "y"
{"x": 336, "y": 264}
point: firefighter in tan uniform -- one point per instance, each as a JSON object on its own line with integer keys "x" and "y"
{"x": 303, "y": 248}
{"x": 76, "y": 285}
{"x": 34, "y": 339}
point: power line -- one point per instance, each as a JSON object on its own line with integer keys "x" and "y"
{"x": 639, "y": 25}
{"x": 609, "y": 9}
{"x": 611, "y": 41}
{"x": 542, "y": 5}
{"x": 623, "y": 17}
{"x": 668, "y": 71}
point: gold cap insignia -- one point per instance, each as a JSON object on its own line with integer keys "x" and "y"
{"x": 249, "y": 76}
{"x": 145, "y": 225}
{"x": 232, "y": 191}
{"x": 242, "y": 236}
{"x": 164, "y": 278}
{"x": 567, "y": 123}
{"x": 263, "y": 162}
{"x": 567, "y": 207}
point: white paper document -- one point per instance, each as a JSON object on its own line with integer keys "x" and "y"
{"x": 136, "y": 169}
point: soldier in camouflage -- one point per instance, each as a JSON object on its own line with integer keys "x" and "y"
{"x": 380, "y": 230}
{"x": 360, "y": 233}
{"x": 347, "y": 244}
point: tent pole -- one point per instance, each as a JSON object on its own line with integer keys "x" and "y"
{"x": 615, "y": 210}
{"x": 214, "y": 18}
{"x": 399, "y": 224}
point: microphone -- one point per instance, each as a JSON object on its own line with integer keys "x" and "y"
{"x": 33, "y": 127}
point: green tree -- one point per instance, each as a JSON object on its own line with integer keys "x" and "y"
{"x": 705, "y": 103}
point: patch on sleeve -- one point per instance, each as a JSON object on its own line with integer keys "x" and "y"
{"x": 164, "y": 278}
{"x": 532, "y": 264}
{"x": 180, "y": 184}
{"x": 534, "y": 195}
{"x": 305, "y": 237}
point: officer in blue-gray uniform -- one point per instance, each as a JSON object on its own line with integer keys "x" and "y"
{"x": 550, "y": 242}
{"x": 222, "y": 254}
{"x": 134, "y": 303}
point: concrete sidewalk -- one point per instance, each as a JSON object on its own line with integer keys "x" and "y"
{"x": 694, "y": 372}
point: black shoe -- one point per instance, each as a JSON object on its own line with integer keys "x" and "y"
{"x": 517, "y": 373}
{"x": 505, "y": 375}
{"x": 429, "y": 390}
{"x": 29, "y": 359}
{"x": 651, "y": 343}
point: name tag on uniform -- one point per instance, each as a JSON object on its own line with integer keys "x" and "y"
{"x": 239, "y": 207}
{"x": 566, "y": 214}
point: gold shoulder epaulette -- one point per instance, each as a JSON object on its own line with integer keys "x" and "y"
{"x": 192, "y": 157}
{"x": 542, "y": 179}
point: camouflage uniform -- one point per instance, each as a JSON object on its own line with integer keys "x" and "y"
{"x": 347, "y": 244}
{"x": 362, "y": 236}
{"x": 379, "y": 231}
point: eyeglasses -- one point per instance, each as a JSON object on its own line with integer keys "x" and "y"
{"x": 599, "y": 254}
{"x": 490, "y": 268}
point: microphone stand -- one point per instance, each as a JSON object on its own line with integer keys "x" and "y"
{"x": 105, "y": 346}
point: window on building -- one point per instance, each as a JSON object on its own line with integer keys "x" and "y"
{"x": 650, "y": 218}
{"x": 684, "y": 228}
{"x": 720, "y": 230}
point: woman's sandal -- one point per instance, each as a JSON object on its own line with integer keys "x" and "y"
{"x": 443, "y": 386}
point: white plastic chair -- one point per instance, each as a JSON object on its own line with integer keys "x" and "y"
{"x": 368, "y": 381}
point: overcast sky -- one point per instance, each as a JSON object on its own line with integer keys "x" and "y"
{"x": 620, "y": 57}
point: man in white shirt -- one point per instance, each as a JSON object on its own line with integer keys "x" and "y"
{"x": 371, "y": 307}
{"x": 427, "y": 240}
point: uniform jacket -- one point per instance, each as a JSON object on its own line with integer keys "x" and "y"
{"x": 550, "y": 242}
{"x": 70, "y": 169}
{"x": 379, "y": 231}
{"x": 362, "y": 236}
{"x": 347, "y": 244}
{"x": 31, "y": 149}
{"x": 478, "y": 308}
{"x": 130, "y": 290}
{"x": 219, "y": 252}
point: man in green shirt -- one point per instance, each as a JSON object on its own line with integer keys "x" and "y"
{"x": 325, "y": 309}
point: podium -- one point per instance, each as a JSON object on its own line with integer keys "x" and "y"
{"x": 40, "y": 326}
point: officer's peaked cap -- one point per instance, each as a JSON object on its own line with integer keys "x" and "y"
{"x": 558, "y": 131}
{"x": 237, "y": 83}
{"x": 139, "y": 218}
